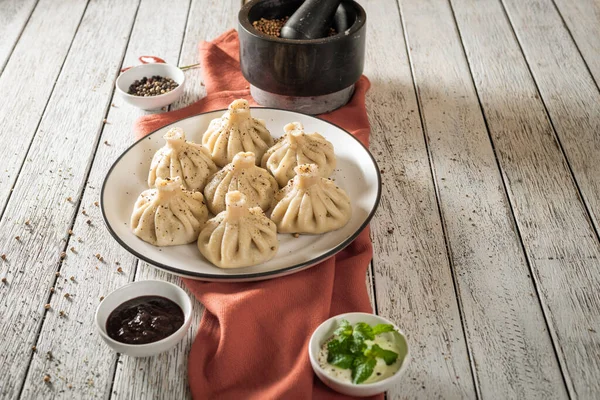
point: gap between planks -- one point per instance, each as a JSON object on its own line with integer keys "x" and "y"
{"x": 172, "y": 366}
{"x": 505, "y": 188}
{"x": 494, "y": 292}
{"x": 97, "y": 171}
{"x": 441, "y": 213}
{"x": 70, "y": 59}
{"x": 7, "y": 28}
{"x": 412, "y": 275}
{"x": 11, "y": 124}
{"x": 577, "y": 20}
{"x": 557, "y": 191}
{"x": 439, "y": 208}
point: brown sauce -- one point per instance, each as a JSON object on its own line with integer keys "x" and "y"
{"x": 144, "y": 319}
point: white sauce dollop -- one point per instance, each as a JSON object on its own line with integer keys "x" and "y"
{"x": 386, "y": 341}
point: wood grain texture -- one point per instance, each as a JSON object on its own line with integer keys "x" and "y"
{"x": 90, "y": 368}
{"x": 568, "y": 90}
{"x": 14, "y": 15}
{"x": 517, "y": 120}
{"x": 206, "y": 22}
{"x": 26, "y": 86}
{"x": 510, "y": 347}
{"x": 583, "y": 21}
{"x": 416, "y": 272}
{"x": 413, "y": 280}
{"x": 165, "y": 376}
{"x": 558, "y": 236}
{"x": 369, "y": 283}
{"x": 40, "y": 211}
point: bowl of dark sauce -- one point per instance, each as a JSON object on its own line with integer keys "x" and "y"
{"x": 144, "y": 318}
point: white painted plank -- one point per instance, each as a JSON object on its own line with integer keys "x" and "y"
{"x": 523, "y": 136}
{"x": 216, "y": 18}
{"x": 413, "y": 280}
{"x": 510, "y": 347}
{"x": 158, "y": 30}
{"x": 165, "y": 376}
{"x": 583, "y": 20}
{"x": 56, "y": 168}
{"x": 567, "y": 88}
{"x": 14, "y": 15}
{"x": 559, "y": 239}
{"x": 28, "y": 80}
{"x": 370, "y": 289}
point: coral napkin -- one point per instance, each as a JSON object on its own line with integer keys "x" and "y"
{"x": 253, "y": 338}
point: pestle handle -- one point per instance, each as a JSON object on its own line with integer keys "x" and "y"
{"x": 311, "y": 21}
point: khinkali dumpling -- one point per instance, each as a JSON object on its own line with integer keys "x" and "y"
{"x": 241, "y": 174}
{"x": 296, "y": 148}
{"x": 234, "y": 132}
{"x": 310, "y": 203}
{"x": 239, "y": 236}
{"x": 168, "y": 215}
{"x": 190, "y": 161}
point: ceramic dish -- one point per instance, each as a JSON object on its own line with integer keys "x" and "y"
{"x": 137, "y": 289}
{"x": 357, "y": 173}
{"x": 147, "y": 70}
{"x": 325, "y": 331}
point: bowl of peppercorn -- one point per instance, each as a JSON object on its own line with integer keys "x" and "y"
{"x": 308, "y": 75}
{"x": 151, "y": 86}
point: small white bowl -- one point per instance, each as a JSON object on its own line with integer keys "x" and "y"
{"x": 137, "y": 289}
{"x": 147, "y": 70}
{"x": 325, "y": 331}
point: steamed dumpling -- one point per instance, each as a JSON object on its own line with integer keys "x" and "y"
{"x": 190, "y": 161}
{"x": 310, "y": 203}
{"x": 168, "y": 215}
{"x": 239, "y": 236}
{"x": 296, "y": 148}
{"x": 234, "y": 132}
{"x": 241, "y": 174}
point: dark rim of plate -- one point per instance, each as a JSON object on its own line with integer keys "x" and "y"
{"x": 258, "y": 275}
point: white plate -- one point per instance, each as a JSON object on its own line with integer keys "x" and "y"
{"x": 356, "y": 173}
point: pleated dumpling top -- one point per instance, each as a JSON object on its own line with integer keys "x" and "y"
{"x": 241, "y": 174}
{"x": 297, "y": 147}
{"x": 310, "y": 204}
{"x": 236, "y": 131}
{"x": 189, "y": 161}
{"x": 168, "y": 215}
{"x": 238, "y": 237}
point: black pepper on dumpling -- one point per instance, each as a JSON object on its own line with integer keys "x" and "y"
{"x": 311, "y": 204}
{"x": 189, "y": 161}
{"x": 238, "y": 237}
{"x": 297, "y": 147}
{"x": 241, "y": 174}
{"x": 236, "y": 131}
{"x": 168, "y": 215}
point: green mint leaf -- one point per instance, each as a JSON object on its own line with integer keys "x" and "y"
{"x": 388, "y": 356}
{"x": 359, "y": 359}
{"x": 357, "y": 346}
{"x": 344, "y": 330}
{"x": 363, "y": 371}
{"x": 344, "y": 361}
{"x": 381, "y": 328}
{"x": 363, "y": 331}
{"x": 337, "y": 346}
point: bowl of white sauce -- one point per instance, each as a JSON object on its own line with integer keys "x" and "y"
{"x": 359, "y": 354}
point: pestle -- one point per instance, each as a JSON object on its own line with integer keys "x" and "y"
{"x": 311, "y": 21}
{"x": 340, "y": 19}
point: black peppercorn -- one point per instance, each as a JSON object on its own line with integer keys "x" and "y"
{"x": 153, "y": 86}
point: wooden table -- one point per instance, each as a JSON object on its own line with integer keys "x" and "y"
{"x": 485, "y": 122}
